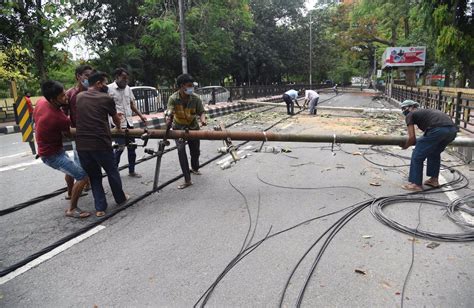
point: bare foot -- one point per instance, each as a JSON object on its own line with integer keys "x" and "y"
{"x": 432, "y": 182}
{"x": 412, "y": 187}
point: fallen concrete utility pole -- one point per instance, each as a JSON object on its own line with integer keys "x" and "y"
{"x": 329, "y": 108}
{"x": 269, "y": 136}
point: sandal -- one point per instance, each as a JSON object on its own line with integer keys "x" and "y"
{"x": 195, "y": 172}
{"x": 431, "y": 184}
{"x": 99, "y": 213}
{"x": 77, "y": 213}
{"x": 184, "y": 185}
{"x": 127, "y": 197}
{"x": 412, "y": 187}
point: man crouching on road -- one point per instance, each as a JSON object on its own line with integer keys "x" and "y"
{"x": 51, "y": 125}
{"x": 439, "y": 130}
{"x": 183, "y": 107}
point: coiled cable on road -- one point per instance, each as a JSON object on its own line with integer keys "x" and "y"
{"x": 462, "y": 204}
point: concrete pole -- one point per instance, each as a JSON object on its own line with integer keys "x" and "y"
{"x": 310, "y": 50}
{"x": 330, "y": 108}
{"x": 269, "y": 136}
{"x": 182, "y": 32}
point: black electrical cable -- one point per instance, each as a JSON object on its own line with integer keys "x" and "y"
{"x": 59, "y": 191}
{"x": 462, "y": 204}
{"x": 84, "y": 229}
{"x": 313, "y": 188}
{"x": 412, "y": 263}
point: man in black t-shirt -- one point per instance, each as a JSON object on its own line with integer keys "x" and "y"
{"x": 439, "y": 130}
{"x": 94, "y": 141}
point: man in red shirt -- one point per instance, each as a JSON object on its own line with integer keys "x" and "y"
{"x": 82, "y": 74}
{"x": 51, "y": 125}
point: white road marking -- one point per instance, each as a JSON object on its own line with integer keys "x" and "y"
{"x": 50, "y": 254}
{"x": 452, "y": 195}
{"x": 15, "y": 155}
{"x": 287, "y": 125}
{"x": 35, "y": 162}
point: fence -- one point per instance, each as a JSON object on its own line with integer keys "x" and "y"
{"x": 455, "y": 103}
{"x": 149, "y": 100}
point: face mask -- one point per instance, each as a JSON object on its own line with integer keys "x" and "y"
{"x": 406, "y": 112}
{"x": 85, "y": 83}
{"x": 189, "y": 91}
{"x": 121, "y": 84}
{"x": 104, "y": 89}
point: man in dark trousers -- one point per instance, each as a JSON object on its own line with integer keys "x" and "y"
{"x": 439, "y": 130}
{"x": 51, "y": 125}
{"x": 94, "y": 141}
{"x": 81, "y": 74}
{"x": 125, "y": 103}
{"x": 290, "y": 98}
{"x": 183, "y": 108}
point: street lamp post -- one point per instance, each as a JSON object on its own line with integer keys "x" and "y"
{"x": 182, "y": 32}
{"x": 310, "y": 50}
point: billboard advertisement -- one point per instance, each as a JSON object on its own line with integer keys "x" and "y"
{"x": 404, "y": 56}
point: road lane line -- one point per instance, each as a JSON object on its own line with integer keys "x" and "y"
{"x": 287, "y": 125}
{"x": 38, "y": 161}
{"x": 15, "y": 155}
{"x": 452, "y": 195}
{"x": 50, "y": 254}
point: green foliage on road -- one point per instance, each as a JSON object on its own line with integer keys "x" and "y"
{"x": 230, "y": 41}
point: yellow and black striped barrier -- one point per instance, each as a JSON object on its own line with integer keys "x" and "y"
{"x": 25, "y": 121}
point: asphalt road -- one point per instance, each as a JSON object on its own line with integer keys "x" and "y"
{"x": 170, "y": 247}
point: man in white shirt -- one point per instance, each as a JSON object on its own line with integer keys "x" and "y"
{"x": 125, "y": 104}
{"x": 311, "y": 97}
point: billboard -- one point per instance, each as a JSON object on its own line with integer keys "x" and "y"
{"x": 404, "y": 56}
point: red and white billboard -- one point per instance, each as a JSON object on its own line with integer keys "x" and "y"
{"x": 404, "y": 56}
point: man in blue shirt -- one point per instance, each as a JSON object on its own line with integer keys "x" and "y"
{"x": 290, "y": 96}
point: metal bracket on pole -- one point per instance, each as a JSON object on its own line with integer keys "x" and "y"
{"x": 159, "y": 154}
{"x": 230, "y": 148}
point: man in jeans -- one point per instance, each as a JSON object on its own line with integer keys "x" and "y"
{"x": 125, "y": 103}
{"x": 82, "y": 74}
{"x": 51, "y": 125}
{"x": 183, "y": 107}
{"x": 439, "y": 130}
{"x": 311, "y": 97}
{"x": 94, "y": 141}
{"x": 290, "y": 98}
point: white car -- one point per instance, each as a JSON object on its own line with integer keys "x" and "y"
{"x": 148, "y": 99}
{"x": 221, "y": 94}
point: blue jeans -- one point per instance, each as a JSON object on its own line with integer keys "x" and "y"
{"x": 132, "y": 155}
{"x": 63, "y": 163}
{"x": 92, "y": 161}
{"x": 430, "y": 147}
{"x": 312, "y": 105}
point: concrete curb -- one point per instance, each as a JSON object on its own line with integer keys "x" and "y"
{"x": 9, "y": 129}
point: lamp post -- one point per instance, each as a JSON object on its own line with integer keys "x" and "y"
{"x": 182, "y": 32}
{"x": 310, "y": 49}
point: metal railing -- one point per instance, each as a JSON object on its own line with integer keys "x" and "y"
{"x": 456, "y": 104}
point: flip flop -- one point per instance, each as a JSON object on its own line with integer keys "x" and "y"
{"x": 127, "y": 197}
{"x": 430, "y": 184}
{"x": 184, "y": 185}
{"x": 195, "y": 172}
{"x": 82, "y": 195}
{"x": 77, "y": 213}
{"x": 410, "y": 187}
{"x": 99, "y": 213}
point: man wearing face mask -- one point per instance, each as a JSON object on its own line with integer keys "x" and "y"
{"x": 94, "y": 141}
{"x": 439, "y": 130}
{"x": 183, "y": 108}
{"x": 125, "y": 103}
{"x": 51, "y": 125}
{"x": 82, "y": 74}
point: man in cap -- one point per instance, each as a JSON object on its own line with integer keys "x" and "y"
{"x": 439, "y": 130}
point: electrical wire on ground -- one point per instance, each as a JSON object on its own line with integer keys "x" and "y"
{"x": 84, "y": 229}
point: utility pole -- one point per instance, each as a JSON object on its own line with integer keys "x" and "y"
{"x": 182, "y": 32}
{"x": 310, "y": 50}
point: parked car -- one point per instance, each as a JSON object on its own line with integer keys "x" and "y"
{"x": 221, "y": 94}
{"x": 148, "y": 99}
